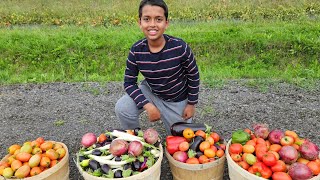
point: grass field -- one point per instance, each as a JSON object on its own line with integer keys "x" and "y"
{"x": 73, "y": 41}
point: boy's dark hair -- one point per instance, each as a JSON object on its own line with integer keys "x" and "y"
{"x": 159, "y": 3}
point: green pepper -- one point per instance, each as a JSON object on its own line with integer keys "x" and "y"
{"x": 240, "y": 136}
{"x": 85, "y": 163}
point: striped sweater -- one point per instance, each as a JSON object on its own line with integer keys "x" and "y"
{"x": 172, "y": 73}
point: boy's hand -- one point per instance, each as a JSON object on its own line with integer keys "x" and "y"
{"x": 152, "y": 111}
{"x": 188, "y": 112}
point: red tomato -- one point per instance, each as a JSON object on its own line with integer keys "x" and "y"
{"x": 281, "y": 176}
{"x": 250, "y": 170}
{"x": 259, "y": 154}
{"x": 247, "y": 131}
{"x": 266, "y": 172}
{"x": 269, "y": 159}
{"x": 215, "y": 136}
{"x": 235, "y": 148}
{"x": 280, "y": 166}
{"x": 236, "y": 157}
{"x": 244, "y": 165}
{"x": 261, "y": 147}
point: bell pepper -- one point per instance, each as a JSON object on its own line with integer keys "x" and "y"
{"x": 172, "y": 143}
{"x": 240, "y": 136}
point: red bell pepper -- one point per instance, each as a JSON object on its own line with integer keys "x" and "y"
{"x": 172, "y": 143}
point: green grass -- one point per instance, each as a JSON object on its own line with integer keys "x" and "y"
{"x": 224, "y": 50}
{"x": 115, "y": 12}
{"x": 85, "y": 40}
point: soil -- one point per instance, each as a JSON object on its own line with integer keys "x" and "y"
{"x": 66, "y": 111}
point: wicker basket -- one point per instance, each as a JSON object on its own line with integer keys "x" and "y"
{"x": 58, "y": 172}
{"x": 182, "y": 171}
{"x": 238, "y": 173}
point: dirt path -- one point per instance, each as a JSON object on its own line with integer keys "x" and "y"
{"x": 64, "y": 112}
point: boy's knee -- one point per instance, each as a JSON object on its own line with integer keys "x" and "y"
{"x": 125, "y": 105}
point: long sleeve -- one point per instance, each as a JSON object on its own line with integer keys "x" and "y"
{"x": 193, "y": 77}
{"x": 130, "y": 81}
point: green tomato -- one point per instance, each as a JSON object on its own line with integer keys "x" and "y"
{"x": 250, "y": 159}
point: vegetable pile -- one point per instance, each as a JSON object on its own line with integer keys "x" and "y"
{"x": 32, "y": 158}
{"x": 276, "y": 154}
{"x": 193, "y": 143}
{"x": 119, "y": 153}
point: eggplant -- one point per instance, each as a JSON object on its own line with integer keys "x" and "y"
{"x": 136, "y": 165}
{"x": 98, "y": 145}
{"x": 105, "y": 168}
{"x": 127, "y": 166}
{"x": 96, "y": 152}
{"x": 81, "y": 158}
{"x": 136, "y": 131}
{"x": 106, "y": 143}
{"x": 118, "y": 174}
{"x": 196, "y": 143}
{"x": 198, "y": 154}
{"x": 117, "y": 158}
{"x": 94, "y": 165}
{"x": 157, "y": 143}
{"x": 178, "y": 127}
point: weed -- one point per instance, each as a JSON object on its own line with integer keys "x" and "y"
{"x": 59, "y": 122}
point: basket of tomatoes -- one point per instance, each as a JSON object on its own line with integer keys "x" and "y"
{"x": 36, "y": 160}
{"x": 276, "y": 154}
{"x": 194, "y": 151}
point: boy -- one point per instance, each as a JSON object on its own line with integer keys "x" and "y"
{"x": 171, "y": 85}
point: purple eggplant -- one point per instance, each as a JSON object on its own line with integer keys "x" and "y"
{"x": 94, "y": 165}
{"x": 136, "y": 165}
{"x": 105, "y": 168}
{"x": 96, "y": 152}
{"x": 118, "y": 174}
{"x": 198, "y": 154}
{"x": 178, "y": 127}
{"x": 196, "y": 143}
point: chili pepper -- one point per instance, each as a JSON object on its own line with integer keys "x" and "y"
{"x": 172, "y": 143}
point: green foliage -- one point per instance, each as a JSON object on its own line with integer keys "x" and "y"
{"x": 84, "y": 41}
{"x": 223, "y": 49}
{"x": 115, "y": 12}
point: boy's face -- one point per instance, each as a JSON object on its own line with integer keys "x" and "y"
{"x": 153, "y": 22}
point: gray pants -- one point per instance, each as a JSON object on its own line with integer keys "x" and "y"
{"x": 128, "y": 113}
